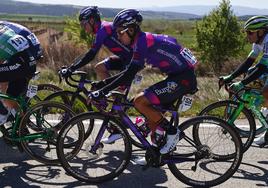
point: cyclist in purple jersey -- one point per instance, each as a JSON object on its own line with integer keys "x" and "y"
{"x": 105, "y": 34}
{"x": 160, "y": 51}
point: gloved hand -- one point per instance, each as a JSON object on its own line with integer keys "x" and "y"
{"x": 65, "y": 72}
{"x": 226, "y": 79}
{"x": 236, "y": 86}
{"x": 97, "y": 85}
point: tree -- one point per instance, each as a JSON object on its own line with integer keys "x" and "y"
{"x": 76, "y": 33}
{"x": 219, "y": 36}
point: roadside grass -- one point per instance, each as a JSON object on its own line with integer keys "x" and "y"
{"x": 207, "y": 94}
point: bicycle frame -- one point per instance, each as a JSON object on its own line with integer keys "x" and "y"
{"x": 249, "y": 99}
{"x": 118, "y": 109}
{"x": 22, "y": 106}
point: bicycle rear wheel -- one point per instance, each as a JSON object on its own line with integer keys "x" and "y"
{"x": 39, "y": 129}
{"x": 75, "y": 101}
{"x": 94, "y": 162}
{"x": 43, "y": 91}
{"x": 244, "y": 123}
{"x": 204, "y": 168}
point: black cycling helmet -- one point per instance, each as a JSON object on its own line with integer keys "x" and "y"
{"x": 89, "y": 12}
{"x": 127, "y": 17}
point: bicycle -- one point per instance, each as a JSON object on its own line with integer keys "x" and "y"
{"x": 31, "y": 128}
{"x": 77, "y": 99}
{"x": 245, "y": 104}
{"x": 89, "y": 157}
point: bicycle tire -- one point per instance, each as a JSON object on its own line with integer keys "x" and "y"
{"x": 28, "y": 128}
{"x": 75, "y": 172}
{"x": 249, "y": 134}
{"x": 181, "y": 174}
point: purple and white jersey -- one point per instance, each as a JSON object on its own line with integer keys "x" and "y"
{"x": 106, "y": 35}
{"x": 163, "y": 52}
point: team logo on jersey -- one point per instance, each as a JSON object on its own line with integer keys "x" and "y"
{"x": 171, "y": 86}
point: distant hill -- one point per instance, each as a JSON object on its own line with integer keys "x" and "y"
{"x": 202, "y": 10}
{"x": 15, "y": 7}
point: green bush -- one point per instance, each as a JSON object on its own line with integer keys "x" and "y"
{"x": 76, "y": 33}
{"x": 219, "y": 36}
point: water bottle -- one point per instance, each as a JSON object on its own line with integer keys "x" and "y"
{"x": 142, "y": 125}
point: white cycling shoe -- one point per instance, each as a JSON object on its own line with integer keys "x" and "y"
{"x": 171, "y": 143}
{"x": 111, "y": 139}
{"x": 260, "y": 140}
{"x": 140, "y": 161}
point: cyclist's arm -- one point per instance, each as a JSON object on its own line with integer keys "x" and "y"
{"x": 90, "y": 55}
{"x": 126, "y": 77}
{"x": 123, "y": 78}
{"x": 261, "y": 68}
{"x": 243, "y": 68}
{"x": 258, "y": 71}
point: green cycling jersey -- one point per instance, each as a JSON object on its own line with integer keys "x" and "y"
{"x": 11, "y": 43}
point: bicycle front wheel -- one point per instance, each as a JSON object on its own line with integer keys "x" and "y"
{"x": 95, "y": 162}
{"x": 39, "y": 129}
{"x": 203, "y": 167}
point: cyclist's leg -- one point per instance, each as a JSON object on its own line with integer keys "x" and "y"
{"x": 15, "y": 89}
{"x": 102, "y": 68}
{"x": 164, "y": 92}
{"x": 111, "y": 63}
{"x": 262, "y": 139}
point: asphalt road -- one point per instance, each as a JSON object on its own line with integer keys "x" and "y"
{"x": 18, "y": 170}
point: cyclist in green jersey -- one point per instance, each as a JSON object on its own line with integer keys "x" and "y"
{"x": 17, "y": 65}
{"x": 257, "y": 34}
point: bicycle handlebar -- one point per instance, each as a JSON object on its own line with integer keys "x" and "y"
{"x": 82, "y": 78}
{"x": 227, "y": 88}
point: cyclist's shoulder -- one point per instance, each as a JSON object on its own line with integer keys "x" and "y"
{"x": 106, "y": 28}
{"x": 19, "y": 29}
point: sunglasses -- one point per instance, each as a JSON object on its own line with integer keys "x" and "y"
{"x": 121, "y": 32}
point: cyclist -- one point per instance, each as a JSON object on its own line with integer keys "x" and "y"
{"x": 160, "y": 51}
{"x": 19, "y": 50}
{"x": 256, "y": 28}
{"x": 105, "y": 34}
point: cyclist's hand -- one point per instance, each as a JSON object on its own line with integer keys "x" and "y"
{"x": 235, "y": 87}
{"x": 97, "y": 85}
{"x": 65, "y": 72}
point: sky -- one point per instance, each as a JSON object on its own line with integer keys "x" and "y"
{"x": 263, "y": 4}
